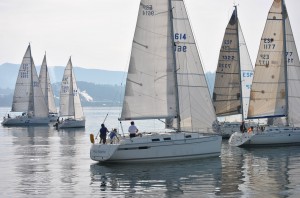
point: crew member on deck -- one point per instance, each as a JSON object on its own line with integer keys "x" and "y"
{"x": 103, "y": 133}
{"x": 250, "y": 130}
{"x": 132, "y": 130}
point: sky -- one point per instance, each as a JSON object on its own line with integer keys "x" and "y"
{"x": 98, "y": 33}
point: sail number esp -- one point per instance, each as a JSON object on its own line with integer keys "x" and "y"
{"x": 226, "y": 44}
{"x": 24, "y": 72}
{"x": 268, "y": 43}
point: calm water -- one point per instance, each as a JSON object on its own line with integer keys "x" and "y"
{"x": 43, "y": 162}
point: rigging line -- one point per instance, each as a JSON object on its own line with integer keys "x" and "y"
{"x": 236, "y": 99}
{"x": 228, "y": 50}
{"x": 150, "y": 96}
{"x": 149, "y": 31}
{"x": 147, "y": 52}
{"x": 191, "y": 86}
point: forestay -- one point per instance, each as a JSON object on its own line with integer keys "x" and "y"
{"x": 28, "y": 96}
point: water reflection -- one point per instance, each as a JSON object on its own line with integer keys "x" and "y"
{"x": 269, "y": 171}
{"x": 240, "y": 172}
{"x": 188, "y": 178}
{"x": 32, "y": 157}
{"x": 43, "y": 162}
{"x": 232, "y": 167}
{"x": 67, "y": 153}
{"x": 263, "y": 171}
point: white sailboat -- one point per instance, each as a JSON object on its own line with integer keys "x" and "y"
{"x": 28, "y": 96}
{"x": 233, "y": 78}
{"x": 45, "y": 83}
{"x": 70, "y": 106}
{"x": 275, "y": 92}
{"x": 165, "y": 81}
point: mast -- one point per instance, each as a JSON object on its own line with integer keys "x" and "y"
{"x": 47, "y": 85}
{"x": 175, "y": 67}
{"x": 71, "y": 85}
{"x": 239, "y": 62}
{"x": 31, "y": 83}
{"x": 284, "y": 15}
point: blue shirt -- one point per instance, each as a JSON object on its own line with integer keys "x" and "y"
{"x": 112, "y": 135}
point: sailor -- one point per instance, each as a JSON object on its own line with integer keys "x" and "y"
{"x": 132, "y": 130}
{"x": 250, "y": 129}
{"x": 112, "y": 135}
{"x": 103, "y": 133}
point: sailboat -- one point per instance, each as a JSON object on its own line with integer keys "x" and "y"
{"x": 70, "y": 106}
{"x": 165, "y": 81}
{"x": 275, "y": 88}
{"x": 233, "y": 77}
{"x": 28, "y": 96}
{"x": 45, "y": 83}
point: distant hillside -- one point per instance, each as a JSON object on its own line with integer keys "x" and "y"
{"x": 9, "y": 72}
{"x": 90, "y": 94}
{"x": 97, "y": 87}
{"x": 210, "y": 77}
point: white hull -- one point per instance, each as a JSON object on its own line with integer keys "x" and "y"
{"x": 52, "y": 117}
{"x": 270, "y": 136}
{"x": 71, "y": 123}
{"x": 24, "y": 121}
{"x": 158, "y": 147}
{"x": 228, "y": 128}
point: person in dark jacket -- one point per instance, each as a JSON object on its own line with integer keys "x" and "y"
{"x": 243, "y": 127}
{"x": 103, "y": 133}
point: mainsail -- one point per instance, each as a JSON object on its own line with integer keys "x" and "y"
{"x": 234, "y": 72}
{"x": 276, "y": 84}
{"x": 165, "y": 76}
{"x": 150, "y": 89}
{"x": 28, "y": 96}
{"x": 45, "y": 83}
{"x": 70, "y": 105}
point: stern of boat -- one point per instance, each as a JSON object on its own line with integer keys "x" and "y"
{"x": 71, "y": 123}
{"x": 102, "y": 152}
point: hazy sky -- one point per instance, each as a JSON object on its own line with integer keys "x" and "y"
{"x": 98, "y": 33}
